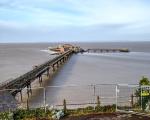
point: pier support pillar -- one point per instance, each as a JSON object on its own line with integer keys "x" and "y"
{"x": 62, "y": 61}
{"x": 30, "y": 88}
{"x": 28, "y": 91}
{"x": 53, "y": 67}
{"x": 48, "y": 73}
{"x": 57, "y": 64}
{"x": 21, "y": 96}
{"x": 40, "y": 80}
{"x": 66, "y": 58}
{"x": 50, "y": 70}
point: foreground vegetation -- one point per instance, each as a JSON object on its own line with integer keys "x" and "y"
{"x": 144, "y": 94}
{"x": 40, "y": 114}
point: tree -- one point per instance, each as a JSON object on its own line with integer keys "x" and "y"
{"x": 144, "y": 81}
{"x": 143, "y": 93}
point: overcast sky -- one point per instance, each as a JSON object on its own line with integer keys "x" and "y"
{"x": 74, "y": 20}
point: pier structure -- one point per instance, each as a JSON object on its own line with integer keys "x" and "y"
{"x": 104, "y": 50}
{"x": 16, "y": 85}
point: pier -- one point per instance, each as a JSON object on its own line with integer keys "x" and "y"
{"x": 16, "y": 85}
{"x": 103, "y": 50}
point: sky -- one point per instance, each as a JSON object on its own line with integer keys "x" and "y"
{"x": 74, "y": 20}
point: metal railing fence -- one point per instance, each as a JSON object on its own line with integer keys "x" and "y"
{"x": 125, "y": 97}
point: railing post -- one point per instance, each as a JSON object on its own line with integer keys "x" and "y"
{"x": 141, "y": 98}
{"x": 98, "y": 101}
{"x": 94, "y": 90}
{"x": 64, "y": 106}
{"x": 44, "y": 91}
{"x": 116, "y": 96}
{"x": 132, "y": 100}
{"x": 94, "y": 95}
{"x": 27, "y": 103}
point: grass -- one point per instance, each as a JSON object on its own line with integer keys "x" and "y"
{"x": 40, "y": 114}
{"x": 91, "y": 110}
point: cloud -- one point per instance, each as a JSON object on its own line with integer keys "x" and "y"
{"x": 74, "y": 19}
{"x": 79, "y": 12}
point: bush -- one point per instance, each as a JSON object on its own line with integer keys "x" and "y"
{"x": 144, "y": 81}
{"x": 39, "y": 113}
{"x": 107, "y": 108}
{"x": 6, "y": 116}
{"x": 144, "y": 94}
{"x": 35, "y": 113}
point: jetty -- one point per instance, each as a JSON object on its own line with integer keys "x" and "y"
{"x": 16, "y": 85}
{"x": 105, "y": 50}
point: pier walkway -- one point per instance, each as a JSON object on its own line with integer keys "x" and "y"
{"x": 18, "y": 84}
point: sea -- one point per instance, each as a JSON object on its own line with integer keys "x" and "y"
{"x": 84, "y": 76}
